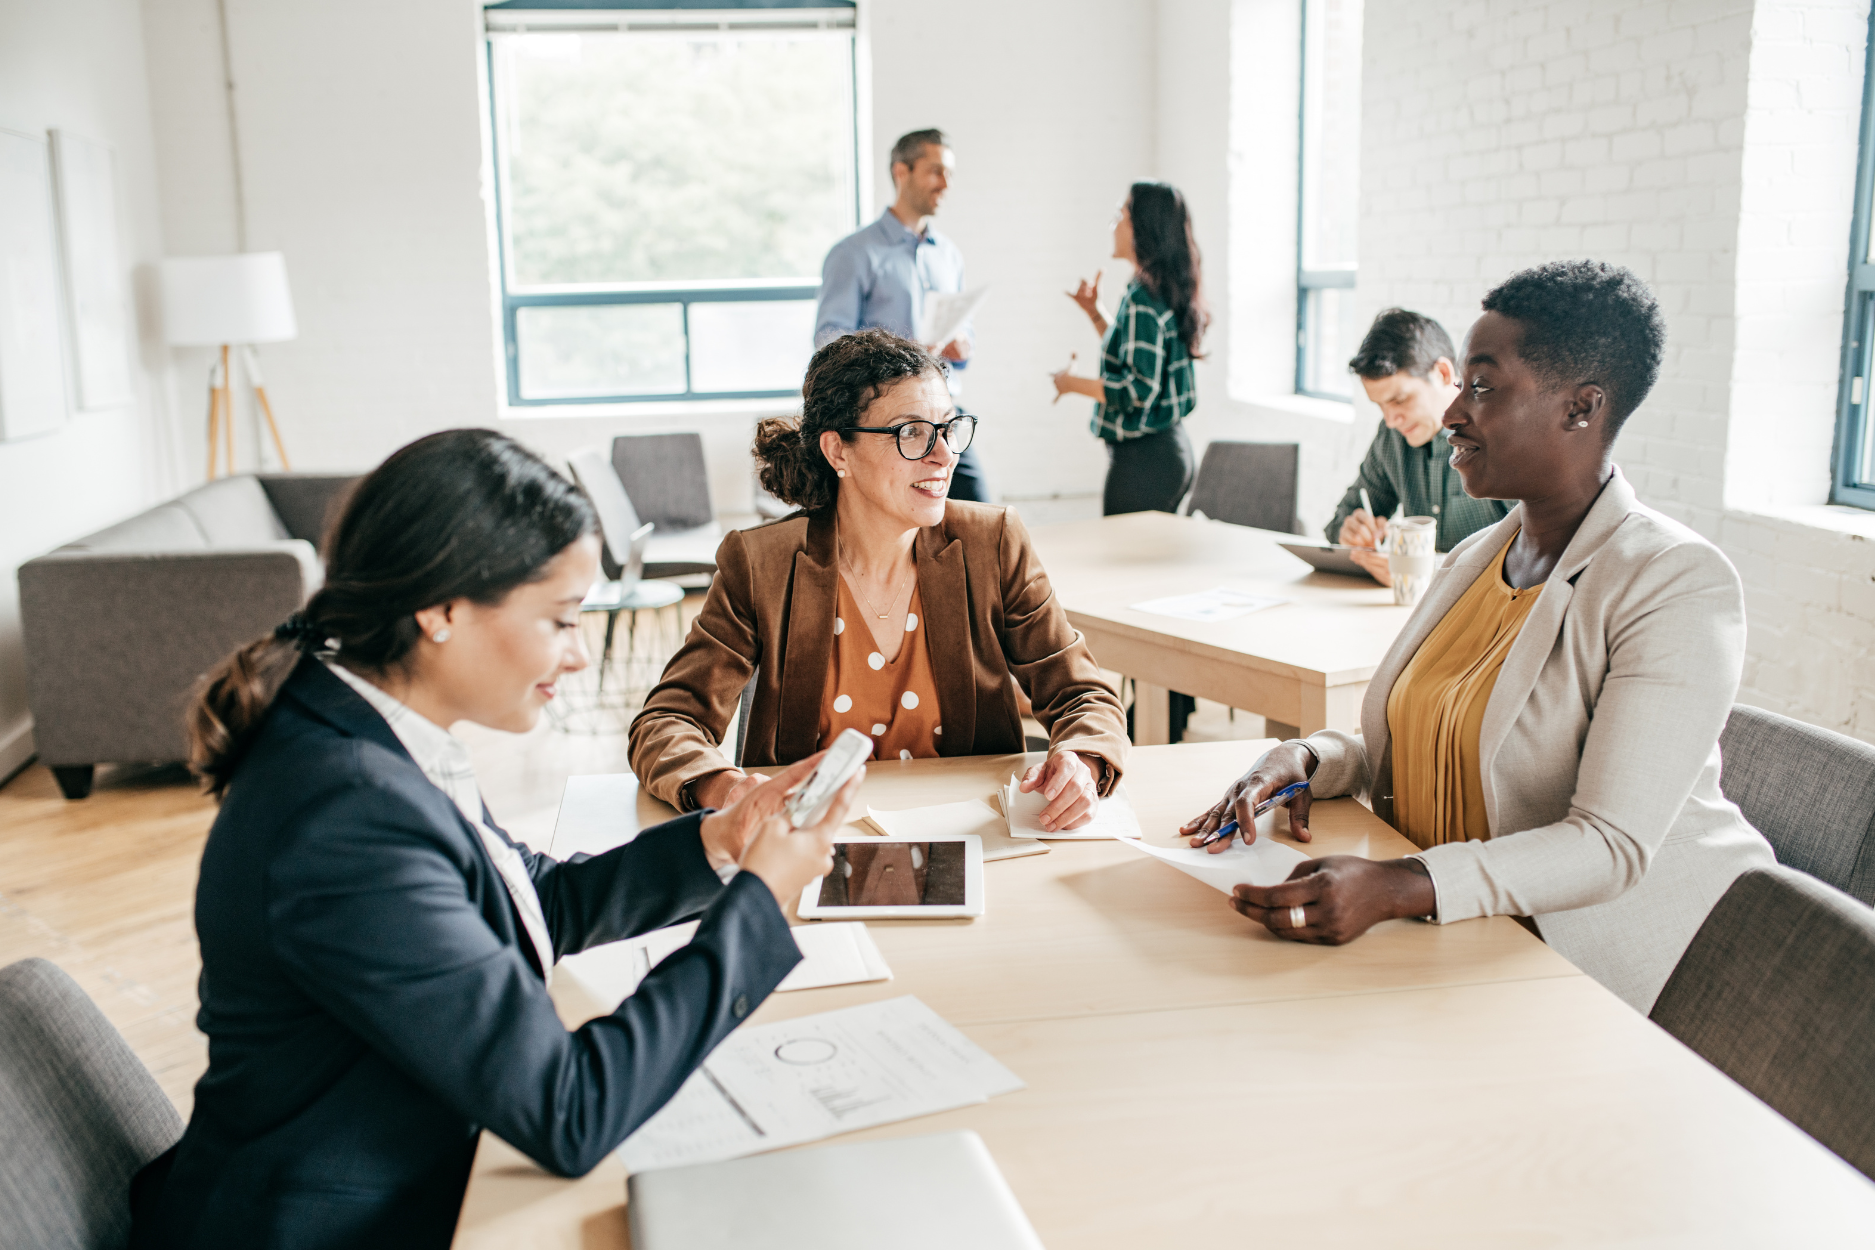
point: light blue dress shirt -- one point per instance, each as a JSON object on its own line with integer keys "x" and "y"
{"x": 876, "y": 278}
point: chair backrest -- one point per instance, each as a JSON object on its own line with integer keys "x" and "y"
{"x": 742, "y": 716}
{"x": 666, "y": 477}
{"x": 1809, "y": 791}
{"x": 1777, "y": 991}
{"x": 618, "y": 520}
{"x": 81, "y": 1115}
{"x": 1249, "y": 484}
{"x": 634, "y": 570}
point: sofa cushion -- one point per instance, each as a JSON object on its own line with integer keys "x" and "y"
{"x": 167, "y": 527}
{"x": 234, "y": 512}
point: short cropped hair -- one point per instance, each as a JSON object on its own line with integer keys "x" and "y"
{"x": 1587, "y": 321}
{"x": 1402, "y": 342}
{"x": 911, "y": 146}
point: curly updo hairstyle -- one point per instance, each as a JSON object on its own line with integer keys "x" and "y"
{"x": 843, "y": 379}
{"x": 464, "y": 514}
{"x": 1587, "y": 321}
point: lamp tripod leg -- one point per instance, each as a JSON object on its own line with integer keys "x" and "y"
{"x": 260, "y": 393}
{"x": 227, "y": 407}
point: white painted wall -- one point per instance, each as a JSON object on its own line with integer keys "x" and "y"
{"x": 79, "y": 65}
{"x": 361, "y": 147}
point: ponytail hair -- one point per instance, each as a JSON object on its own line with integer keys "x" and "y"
{"x": 1168, "y": 256}
{"x": 843, "y": 379}
{"x": 464, "y": 514}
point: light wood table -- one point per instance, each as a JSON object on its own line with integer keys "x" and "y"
{"x": 1195, "y": 1081}
{"x": 1303, "y": 664}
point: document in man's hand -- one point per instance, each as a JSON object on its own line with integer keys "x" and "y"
{"x": 773, "y": 1085}
{"x": 945, "y": 314}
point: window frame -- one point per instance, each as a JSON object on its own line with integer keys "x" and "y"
{"x": 547, "y": 17}
{"x": 1326, "y": 278}
{"x": 1853, "y": 415}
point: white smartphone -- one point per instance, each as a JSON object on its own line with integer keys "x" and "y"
{"x": 846, "y": 756}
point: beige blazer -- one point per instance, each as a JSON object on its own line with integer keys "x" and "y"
{"x": 1599, "y": 748}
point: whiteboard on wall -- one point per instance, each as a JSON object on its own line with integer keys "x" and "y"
{"x": 97, "y": 298}
{"x": 32, "y": 366}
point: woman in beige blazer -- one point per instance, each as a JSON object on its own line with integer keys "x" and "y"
{"x": 1593, "y": 747}
{"x": 881, "y": 606}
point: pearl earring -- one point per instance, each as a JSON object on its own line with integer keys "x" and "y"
{"x": 840, "y": 472}
{"x": 1581, "y": 425}
{"x": 441, "y": 635}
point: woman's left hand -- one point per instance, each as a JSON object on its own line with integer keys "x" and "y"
{"x": 726, "y": 833}
{"x": 1340, "y": 897}
{"x": 1068, "y": 784}
{"x": 1067, "y": 383}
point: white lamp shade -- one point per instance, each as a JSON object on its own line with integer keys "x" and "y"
{"x": 211, "y": 300}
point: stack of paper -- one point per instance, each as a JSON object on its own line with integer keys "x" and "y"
{"x": 1114, "y": 817}
{"x": 774, "y": 1085}
{"x": 970, "y": 816}
{"x": 833, "y": 954}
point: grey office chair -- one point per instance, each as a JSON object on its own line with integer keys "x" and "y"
{"x": 669, "y": 485}
{"x": 79, "y": 1115}
{"x": 1777, "y": 991}
{"x": 742, "y": 716}
{"x": 1249, "y": 484}
{"x": 1809, "y": 791}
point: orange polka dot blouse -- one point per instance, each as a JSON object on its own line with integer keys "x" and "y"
{"x": 893, "y": 702}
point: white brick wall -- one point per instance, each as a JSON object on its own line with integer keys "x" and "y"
{"x": 1710, "y": 147}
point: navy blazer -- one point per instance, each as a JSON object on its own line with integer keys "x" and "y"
{"x": 372, "y": 1000}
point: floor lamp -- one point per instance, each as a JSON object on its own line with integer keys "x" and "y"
{"x": 229, "y": 302}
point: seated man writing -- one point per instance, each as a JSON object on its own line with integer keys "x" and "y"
{"x": 1405, "y": 366}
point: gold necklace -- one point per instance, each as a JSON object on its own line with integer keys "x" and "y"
{"x": 866, "y": 603}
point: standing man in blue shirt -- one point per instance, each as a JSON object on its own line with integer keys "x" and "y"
{"x": 877, "y": 277}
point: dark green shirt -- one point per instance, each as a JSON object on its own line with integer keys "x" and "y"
{"x": 1145, "y": 370}
{"x": 1423, "y": 479}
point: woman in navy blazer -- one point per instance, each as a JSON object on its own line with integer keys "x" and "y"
{"x": 374, "y": 949}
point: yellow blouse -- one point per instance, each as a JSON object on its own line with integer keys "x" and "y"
{"x": 1437, "y": 705}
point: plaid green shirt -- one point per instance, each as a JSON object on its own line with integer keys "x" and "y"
{"x": 1423, "y": 479}
{"x": 1145, "y": 370}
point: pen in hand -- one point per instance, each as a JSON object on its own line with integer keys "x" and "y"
{"x": 1229, "y": 827}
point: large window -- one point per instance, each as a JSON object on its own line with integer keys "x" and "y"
{"x": 667, "y": 183}
{"x": 1326, "y": 331}
{"x": 1855, "y": 432}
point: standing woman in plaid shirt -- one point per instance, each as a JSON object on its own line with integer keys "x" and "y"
{"x": 1145, "y": 388}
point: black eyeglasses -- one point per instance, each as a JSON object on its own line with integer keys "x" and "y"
{"x": 917, "y": 438}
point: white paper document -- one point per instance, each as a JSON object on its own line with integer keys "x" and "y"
{"x": 1263, "y": 862}
{"x": 1114, "y": 817}
{"x": 833, "y": 954}
{"x": 1220, "y": 603}
{"x": 945, "y": 314}
{"x": 774, "y": 1085}
{"x": 970, "y": 816}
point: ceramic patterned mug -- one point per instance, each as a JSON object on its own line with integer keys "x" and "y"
{"x": 1410, "y": 557}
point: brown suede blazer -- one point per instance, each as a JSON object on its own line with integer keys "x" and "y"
{"x": 990, "y": 616}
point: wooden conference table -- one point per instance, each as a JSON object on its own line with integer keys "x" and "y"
{"x": 1303, "y": 664}
{"x": 1194, "y": 1081}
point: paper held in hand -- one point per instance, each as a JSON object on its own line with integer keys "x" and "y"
{"x": 1114, "y": 817}
{"x": 1263, "y": 862}
{"x": 945, "y": 314}
{"x": 946, "y": 819}
{"x": 1220, "y": 603}
{"x": 773, "y": 1085}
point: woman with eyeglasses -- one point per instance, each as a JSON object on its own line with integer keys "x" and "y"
{"x": 880, "y": 606}
{"x": 1145, "y": 388}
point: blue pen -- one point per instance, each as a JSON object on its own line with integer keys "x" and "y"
{"x": 1281, "y": 796}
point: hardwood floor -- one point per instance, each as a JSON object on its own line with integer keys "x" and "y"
{"x": 105, "y": 887}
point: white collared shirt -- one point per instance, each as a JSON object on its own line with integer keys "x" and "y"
{"x": 445, "y": 761}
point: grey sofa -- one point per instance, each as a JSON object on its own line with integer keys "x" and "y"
{"x": 118, "y": 625}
